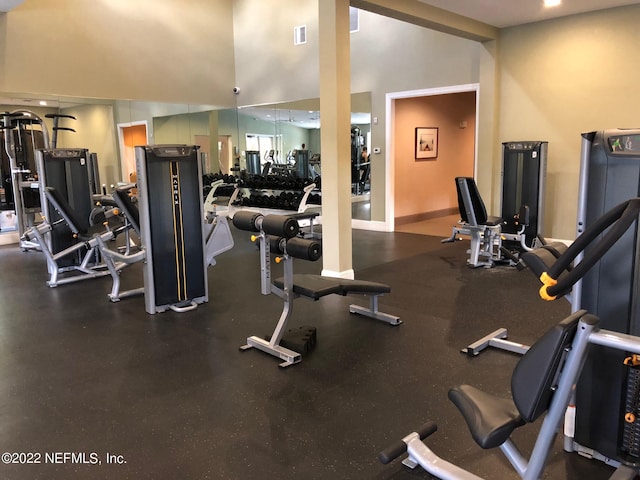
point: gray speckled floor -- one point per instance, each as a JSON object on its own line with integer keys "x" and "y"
{"x": 170, "y": 396}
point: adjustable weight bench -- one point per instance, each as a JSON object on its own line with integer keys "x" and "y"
{"x": 278, "y": 233}
{"x": 314, "y": 287}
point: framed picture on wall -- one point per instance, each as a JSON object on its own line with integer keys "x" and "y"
{"x": 426, "y": 143}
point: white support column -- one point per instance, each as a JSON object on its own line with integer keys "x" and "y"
{"x": 335, "y": 137}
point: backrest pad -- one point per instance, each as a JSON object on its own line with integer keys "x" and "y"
{"x": 533, "y": 378}
{"x": 470, "y": 203}
{"x": 130, "y": 210}
{"x": 76, "y": 223}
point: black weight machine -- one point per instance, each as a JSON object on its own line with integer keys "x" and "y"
{"x": 547, "y": 376}
{"x": 169, "y": 180}
{"x": 75, "y": 254}
{"x": 217, "y": 234}
{"x": 495, "y": 238}
{"x": 20, "y": 175}
{"x": 607, "y": 425}
{"x": 278, "y": 234}
{"x": 69, "y": 217}
{"x": 178, "y": 245}
{"x": 23, "y": 133}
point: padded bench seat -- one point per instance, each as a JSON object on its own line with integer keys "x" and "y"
{"x": 317, "y": 286}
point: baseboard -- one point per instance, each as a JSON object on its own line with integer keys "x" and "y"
{"x": 9, "y": 238}
{"x": 370, "y": 225}
{"x": 420, "y": 217}
{"x": 349, "y": 274}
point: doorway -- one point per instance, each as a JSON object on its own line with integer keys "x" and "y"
{"x": 420, "y": 192}
{"x": 130, "y": 135}
{"x": 225, "y": 157}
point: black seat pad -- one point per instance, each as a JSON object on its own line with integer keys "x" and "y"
{"x": 490, "y": 419}
{"x": 317, "y": 286}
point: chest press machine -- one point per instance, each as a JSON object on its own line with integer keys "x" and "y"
{"x": 278, "y": 233}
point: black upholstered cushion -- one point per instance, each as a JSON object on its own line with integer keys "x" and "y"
{"x": 540, "y": 259}
{"x": 130, "y": 210}
{"x": 311, "y": 286}
{"x": 76, "y": 223}
{"x": 533, "y": 377}
{"x": 317, "y": 286}
{"x": 362, "y": 286}
{"x": 490, "y": 419}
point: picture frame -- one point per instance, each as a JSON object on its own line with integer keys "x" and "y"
{"x": 426, "y": 143}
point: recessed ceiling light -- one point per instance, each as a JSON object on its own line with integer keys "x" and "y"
{"x": 552, "y": 3}
{"x": 43, "y": 103}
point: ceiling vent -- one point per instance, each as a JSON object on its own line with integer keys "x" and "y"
{"x": 354, "y": 20}
{"x": 300, "y": 35}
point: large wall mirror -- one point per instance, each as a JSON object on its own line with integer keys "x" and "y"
{"x": 112, "y": 128}
{"x": 278, "y": 132}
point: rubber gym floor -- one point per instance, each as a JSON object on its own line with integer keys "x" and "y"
{"x": 101, "y": 390}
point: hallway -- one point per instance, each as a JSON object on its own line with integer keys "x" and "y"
{"x": 437, "y": 227}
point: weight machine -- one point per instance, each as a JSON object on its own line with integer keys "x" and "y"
{"x": 550, "y": 372}
{"x": 169, "y": 179}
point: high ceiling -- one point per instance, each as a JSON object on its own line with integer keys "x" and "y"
{"x": 508, "y": 13}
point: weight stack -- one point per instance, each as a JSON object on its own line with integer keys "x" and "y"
{"x": 631, "y": 429}
{"x": 66, "y": 170}
{"x": 169, "y": 181}
{"x": 524, "y": 170}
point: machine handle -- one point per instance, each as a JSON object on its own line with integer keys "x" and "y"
{"x": 392, "y": 452}
{"x": 616, "y": 222}
{"x": 184, "y": 308}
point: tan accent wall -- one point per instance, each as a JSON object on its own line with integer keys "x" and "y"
{"x": 423, "y": 186}
{"x": 121, "y": 49}
{"x": 561, "y": 78}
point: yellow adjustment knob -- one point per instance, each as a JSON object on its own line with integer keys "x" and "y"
{"x": 547, "y": 280}
{"x": 629, "y": 418}
{"x": 116, "y": 211}
{"x": 254, "y": 238}
{"x": 278, "y": 259}
{"x": 633, "y": 360}
{"x": 544, "y": 295}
